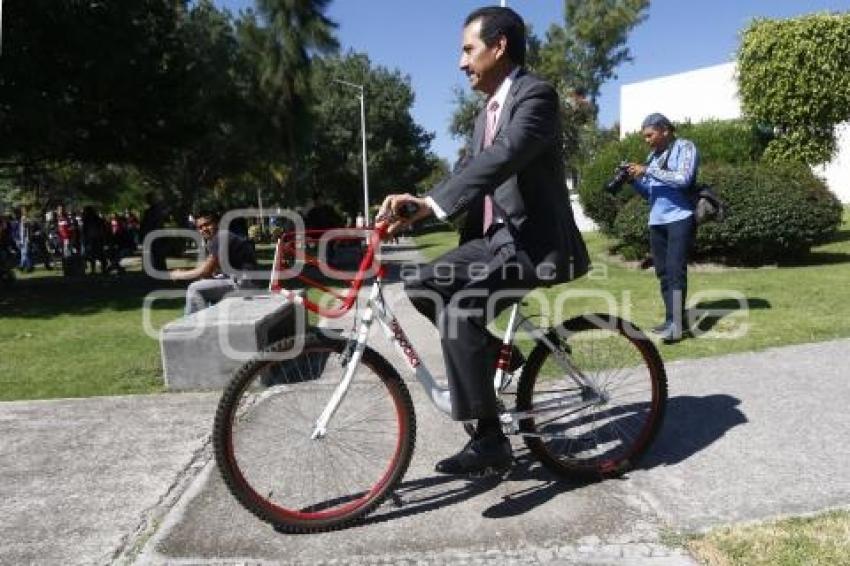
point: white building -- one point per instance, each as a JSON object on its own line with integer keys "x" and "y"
{"x": 712, "y": 93}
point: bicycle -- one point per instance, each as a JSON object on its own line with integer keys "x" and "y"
{"x": 318, "y": 441}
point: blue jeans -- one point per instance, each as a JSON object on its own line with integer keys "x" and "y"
{"x": 671, "y": 244}
{"x": 206, "y": 292}
{"x": 26, "y": 257}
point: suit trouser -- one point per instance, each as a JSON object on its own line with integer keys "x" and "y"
{"x": 460, "y": 293}
{"x": 671, "y": 244}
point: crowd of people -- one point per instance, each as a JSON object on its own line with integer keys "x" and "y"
{"x": 77, "y": 239}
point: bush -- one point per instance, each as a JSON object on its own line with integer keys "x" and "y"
{"x": 772, "y": 212}
{"x": 632, "y": 229}
{"x": 792, "y": 73}
{"x": 727, "y": 141}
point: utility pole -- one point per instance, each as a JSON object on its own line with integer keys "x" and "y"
{"x": 362, "y": 96}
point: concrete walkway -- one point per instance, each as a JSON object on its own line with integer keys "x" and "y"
{"x": 130, "y": 479}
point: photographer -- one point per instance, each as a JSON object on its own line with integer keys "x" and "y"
{"x": 666, "y": 180}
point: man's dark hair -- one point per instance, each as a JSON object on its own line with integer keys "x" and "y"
{"x": 209, "y": 215}
{"x": 497, "y": 21}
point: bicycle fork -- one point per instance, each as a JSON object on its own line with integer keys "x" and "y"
{"x": 351, "y": 366}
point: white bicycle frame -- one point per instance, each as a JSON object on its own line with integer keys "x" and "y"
{"x": 376, "y": 308}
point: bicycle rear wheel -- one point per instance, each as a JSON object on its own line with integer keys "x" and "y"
{"x": 600, "y": 428}
{"x": 266, "y": 419}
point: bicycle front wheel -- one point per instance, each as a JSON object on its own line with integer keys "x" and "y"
{"x": 276, "y": 466}
{"x": 595, "y": 397}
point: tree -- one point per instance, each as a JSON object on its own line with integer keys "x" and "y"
{"x": 592, "y": 44}
{"x": 88, "y": 81}
{"x": 397, "y": 147}
{"x": 296, "y": 30}
{"x": 792, "y": 76}
{"x": 182, "y": 93}
{"x": 224, "y": 119}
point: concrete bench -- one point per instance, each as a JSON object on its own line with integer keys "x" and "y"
{"x": 204, "y": 349}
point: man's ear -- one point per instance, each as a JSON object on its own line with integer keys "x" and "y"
{"x": 501, "y": 46}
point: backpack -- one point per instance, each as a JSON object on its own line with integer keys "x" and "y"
{"x": 707, "y": 205}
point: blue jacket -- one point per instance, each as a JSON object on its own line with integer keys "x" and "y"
{"x": 667, "y": 186}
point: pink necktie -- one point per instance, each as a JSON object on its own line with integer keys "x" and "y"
{"x": 489, "y": 133}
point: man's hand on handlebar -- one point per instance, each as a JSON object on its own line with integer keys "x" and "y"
{"x": 400, "y": 211}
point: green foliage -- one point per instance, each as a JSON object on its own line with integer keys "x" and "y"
{"x": 594, "y": 39}
{"x": 726, "y": 141}
{"x": 90, "y": 81}
{"x": 397, "y": 147}
{"x": 793, "y": 76}
{"x": 773, "y": 210}
{"x": 296, "y": 30}
{"x": 195, "y": 101}
{"x": 630, "y": 226}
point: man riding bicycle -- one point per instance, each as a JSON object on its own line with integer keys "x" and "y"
{"x": 519, "y": 232}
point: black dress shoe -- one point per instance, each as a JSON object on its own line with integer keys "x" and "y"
{"x": 487, "y": 453}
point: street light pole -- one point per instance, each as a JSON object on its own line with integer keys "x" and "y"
{"x": 362, "y": 96}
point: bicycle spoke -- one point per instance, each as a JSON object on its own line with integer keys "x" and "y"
{"x": 296, "y": 480}
{"x": 626, "y": 388}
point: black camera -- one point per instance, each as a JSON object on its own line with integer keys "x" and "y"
{"x": 621, "y": 175}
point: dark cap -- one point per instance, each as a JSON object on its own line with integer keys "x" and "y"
{"x": 657, "y": 120}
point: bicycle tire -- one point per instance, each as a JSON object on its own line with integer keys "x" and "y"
{"x": 263, "y": 426}
{"x": 603, "y": 439}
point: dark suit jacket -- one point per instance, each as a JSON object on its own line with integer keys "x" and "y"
{"x": 524, "y": 171}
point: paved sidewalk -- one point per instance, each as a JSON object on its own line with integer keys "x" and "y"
{"x": 129, "y": 479}
{"x": 81, "y": 478}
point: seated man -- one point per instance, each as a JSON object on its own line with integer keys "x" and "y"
{"x": 227, "y": 266}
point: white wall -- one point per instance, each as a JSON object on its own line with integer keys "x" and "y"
{"x": 698, "y": 95}
{"x": 712, "y": 93}
{"x": 836, "y": 173}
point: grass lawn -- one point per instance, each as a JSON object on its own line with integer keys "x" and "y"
{"x": 82, "y": 337}
{"x": 823, "y": 539}
{"x": 72, "y": 338}
{"x": 76, "y": 338}
{"x": 744, "y": 309}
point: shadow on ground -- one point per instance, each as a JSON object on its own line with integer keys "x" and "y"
{"x": 691, "y": 424}
{"x": 707, "y": 314}
{"x": 52, "y": 296}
